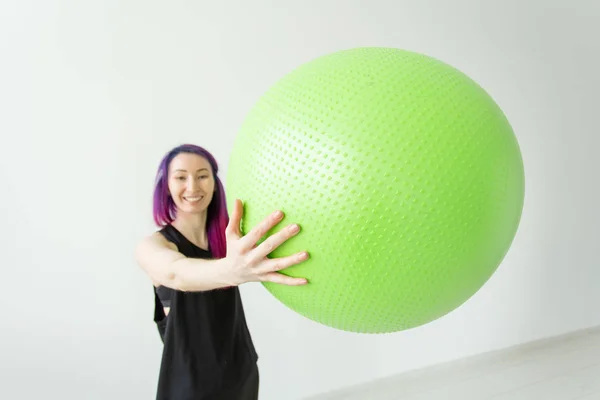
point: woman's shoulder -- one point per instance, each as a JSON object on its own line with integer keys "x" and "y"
{"x": 160, "y": 238}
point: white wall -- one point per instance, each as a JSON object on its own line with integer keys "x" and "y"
{"x": 93, "y": 93}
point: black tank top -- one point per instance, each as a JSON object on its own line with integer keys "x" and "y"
{"x": 207, "y": 345}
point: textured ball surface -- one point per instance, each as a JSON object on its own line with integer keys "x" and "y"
{"x": 404, "y": 175}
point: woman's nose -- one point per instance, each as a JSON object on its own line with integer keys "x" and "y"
{"x": 192, "y": 184}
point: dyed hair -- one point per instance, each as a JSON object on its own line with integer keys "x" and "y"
{"x": 165, "y": 211}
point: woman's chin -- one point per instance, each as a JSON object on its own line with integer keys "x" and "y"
{"x": 192, "y": 210}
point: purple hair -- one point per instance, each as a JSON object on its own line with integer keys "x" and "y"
{"x": 164, "y": 209}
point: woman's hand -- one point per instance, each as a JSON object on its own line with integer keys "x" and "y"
{"x": 249, "y": 263}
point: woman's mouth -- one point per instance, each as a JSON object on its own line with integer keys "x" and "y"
{"x": 195, "y": 199}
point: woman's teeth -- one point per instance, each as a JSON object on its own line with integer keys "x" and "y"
{"x": 193, "y": 199}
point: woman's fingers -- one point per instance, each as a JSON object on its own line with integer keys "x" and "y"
{"x": 233, "y": 227}
{"x": 272, "y": 242}
{"x": 250, "y": 239}
{"x": 252, "y": 258}
{"x": 281, "y": 279}
{"x": 277, "y": 264}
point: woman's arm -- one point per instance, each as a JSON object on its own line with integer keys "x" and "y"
{"x": 245, "y": 262}
{"x": 166, "y": 266}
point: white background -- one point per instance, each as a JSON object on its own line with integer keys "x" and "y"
{"x": 93, "y": 93}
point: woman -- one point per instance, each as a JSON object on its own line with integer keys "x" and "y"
{"x": 196, "y": 261}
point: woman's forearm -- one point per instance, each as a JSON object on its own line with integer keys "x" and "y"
{"x": 197, "y": 274}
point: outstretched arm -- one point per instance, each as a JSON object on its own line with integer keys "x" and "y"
{"x": 245, "y": 262}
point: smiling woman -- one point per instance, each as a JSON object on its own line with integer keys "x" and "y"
{"x": 191, "y": 187}
{"x": 196, "y": 261}
{"x": 185, "y": 177}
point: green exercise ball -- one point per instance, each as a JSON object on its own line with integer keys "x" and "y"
{"x": 404, "y": 175}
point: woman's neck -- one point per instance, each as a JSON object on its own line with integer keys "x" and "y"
{"x": 193, "y": 227}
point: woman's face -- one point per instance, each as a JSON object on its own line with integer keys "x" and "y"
{"x": 191, "y": 183}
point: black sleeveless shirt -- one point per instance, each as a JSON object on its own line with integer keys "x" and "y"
{"x": 207, "y": 345}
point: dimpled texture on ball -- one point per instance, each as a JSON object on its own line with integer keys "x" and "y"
{"x": 404, "y": 175}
